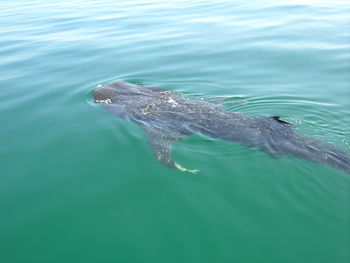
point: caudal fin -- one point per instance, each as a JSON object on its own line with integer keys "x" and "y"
{"x": 314, "y": 150}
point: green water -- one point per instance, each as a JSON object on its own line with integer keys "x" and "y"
{"x": 79, "y": 185}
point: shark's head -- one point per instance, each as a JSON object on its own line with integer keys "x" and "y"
{"x": 117, "y": 92}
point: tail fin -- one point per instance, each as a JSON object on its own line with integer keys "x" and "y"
{"x": 314, "y": 150}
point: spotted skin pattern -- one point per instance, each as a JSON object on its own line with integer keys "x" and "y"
{"x": 166, "y": 117}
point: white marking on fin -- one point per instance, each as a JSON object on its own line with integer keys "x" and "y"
{"x": 183, "y": 169}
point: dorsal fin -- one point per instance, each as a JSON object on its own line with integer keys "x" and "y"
{"x": 277, "y": 118}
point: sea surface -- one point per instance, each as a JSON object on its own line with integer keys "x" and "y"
{"x": 80, "y": 185}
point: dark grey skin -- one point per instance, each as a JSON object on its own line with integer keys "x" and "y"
{"x": 167, "y": 117}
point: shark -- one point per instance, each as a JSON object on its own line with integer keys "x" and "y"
{"x": 167, "y": 117}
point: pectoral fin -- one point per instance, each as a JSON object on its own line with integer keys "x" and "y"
{"x": 161, "y": 142}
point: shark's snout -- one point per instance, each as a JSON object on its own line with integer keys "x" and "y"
{"x": 110, "y": 92}
{"x": 102, "y": 94}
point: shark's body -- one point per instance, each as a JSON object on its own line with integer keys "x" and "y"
{"x": 166, "y": 117}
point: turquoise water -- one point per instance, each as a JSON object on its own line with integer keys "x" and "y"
{"x": 79, "y": 185}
